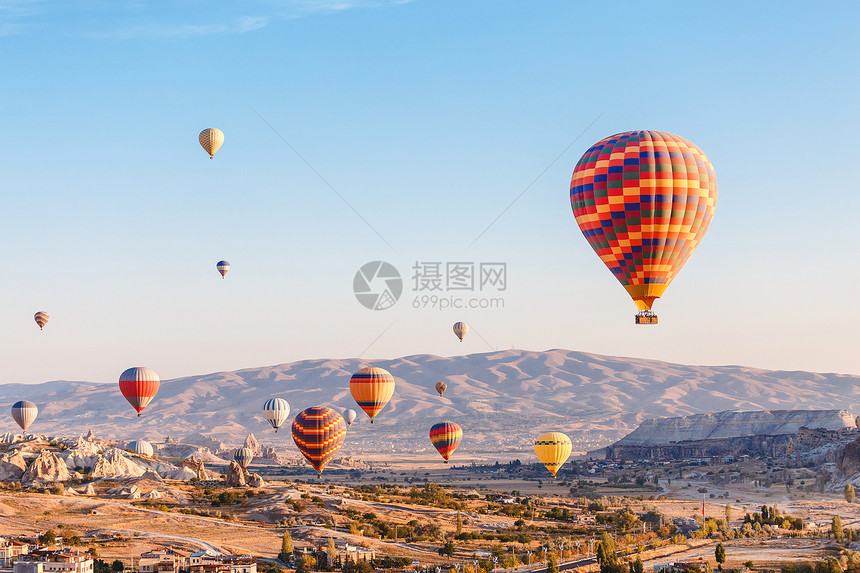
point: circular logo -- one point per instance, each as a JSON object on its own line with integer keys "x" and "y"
{"x": 377, "y": 285}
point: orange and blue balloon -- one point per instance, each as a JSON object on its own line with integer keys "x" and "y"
{"x": 319, "y": 433}
{"x": 644, "y": 200}
{"x": 372, "y": 388}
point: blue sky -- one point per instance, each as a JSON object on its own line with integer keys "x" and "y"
{"x": 429, "y": 118}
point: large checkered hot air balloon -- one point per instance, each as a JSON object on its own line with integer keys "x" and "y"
{"x": 139, "y": 385}
{"x": 445, "y": 437}
{"x": 319, "y": 433}
{"x": 644, "y": 200}
{"x": 24, "y": 413}
{"x": 372, "y": 388}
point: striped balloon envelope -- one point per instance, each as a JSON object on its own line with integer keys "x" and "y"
{"x": 319, "y": 433}
{"x": 372, "y": 388}
{"x": 276, "y": 411}
{"x": 445, "y": 437}
{"x": 441, "y": 387}
{"x": 644, "y": 200}
{"x": 243, "y": 457}
{"x": 211, "y": 139}
{"x": 24, "y": 413}
{"x": 141, "y": 447}
{"x": 553, "y": 449}
{"x": 223, "y": 267}
{"x": 461, "y": 329}
{"x": 41, "y": 318}
{"x": 139, "y": 385}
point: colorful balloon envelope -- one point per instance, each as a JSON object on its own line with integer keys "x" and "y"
{"x": 276, "y": 411}
{"x": 24, "y": 413}
{"x": 372, "y": 388}
{"x": 243, "y": 457}
{"x": 211, "y": 139}
{"x": 441, "y": 387}
{"x": 141, "y": 447}
{"x": 461, "y": 329}
{"x": 139, "y": 385}
{"x": 553, "y": 449}
{"x": 41, "y": 318}
{"x": 319, "y": 433}
{"x": 445, "y": 437}
{"x": 223, "y": 267}
{"x": 349, "y": 416}
{"x": 644, "y": 200}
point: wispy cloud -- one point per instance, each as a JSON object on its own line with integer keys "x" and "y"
{"x": 241, "y": 25}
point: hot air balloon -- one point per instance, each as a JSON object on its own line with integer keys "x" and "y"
{"x": 319, "y": 433}
{"x": 445, "y": 437}
{"x": 553, "y": 449}
{"x": 644, "y": 200}
{"x": 461, "y": 329}
{"x": 211, "y": 139}
{"x": 41, "y": 319}
{"x": 243, "y": 457}
{"x": 223, "y": 267}
{"x": 372, "y": 388}
{"x": 276, "y": 411}
{"x": 139, "y": 385}
{"x": 141, "y": 447}
{"x": 24, "y": 413}
{"x": 441, "y": 387}
{"x": 349, "y": 416}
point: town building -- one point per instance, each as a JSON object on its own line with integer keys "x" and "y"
{"x": 10, "y": 550}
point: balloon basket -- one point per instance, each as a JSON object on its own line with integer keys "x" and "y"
{"x": 646, "y": 317}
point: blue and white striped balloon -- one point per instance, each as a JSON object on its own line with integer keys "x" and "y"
{"x": 276, "y": 411}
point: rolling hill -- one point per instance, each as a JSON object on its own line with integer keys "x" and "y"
{"x": 501, "y": 399}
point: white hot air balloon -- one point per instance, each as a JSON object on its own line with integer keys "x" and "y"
{"x": 24, "y": 413}
{"x": 349, "y": 416}
{"x": 276, "y": 411}
{"x": 141, "y": 447}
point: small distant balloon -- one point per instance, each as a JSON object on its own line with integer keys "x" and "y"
{"x": 372, "y": 388}
{"x": 349, "y": 416}
{"x": 141, "y": 447}
{"x": 223, "y": 267}
{"x": 461, "y": 329}
{"x": 445, "y": 437}
{"x": 441, "y": 387}
{"x": 243, "y": 457}
{"x": 211, "y": 139}
{"x": 553, "y": 449}
{"x": 24, "y": 413}
{"x": 276, "y": 411}
{"x": 41, "y": 319}
{"x": 139, "y": 385}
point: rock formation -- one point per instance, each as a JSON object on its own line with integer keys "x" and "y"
{"x": 115, "y": 464}
{"x": 270, "y": 454}
{"x": 47, "y": 468}
{"x": 90, "y": 437}
{"x": 12, "y": 467}
{"x": 256, "y": 481}
{"x": 195, "y": 465}
{"x": 89, "y": 490}
{"x": 235, "y": 476}
{"x": 198, "y": 439}
{"x": 252, "y": 443}
{"x": 154, "y": 494}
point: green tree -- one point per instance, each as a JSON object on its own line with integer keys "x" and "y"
{"x": 48, "y": 538}
{"x": 749, "y": 564}
{"x": 728, "y": 514}
{"x": 829, "y": 565}
{"x": 301, "y": 566}
{"x": 100, "y": 566}
{"x": 849, "y": 493}
{"x": 638, "y": 566}
{"x": 607, "y": 554}
{"x": 447, "y": 549}
{"x": 459, "y": 523}
{"x": 836, "y": 528}
{"x": 720, "y": 555}
{"x": 331, "y": 550}
{"x": 117, "y": 566}
{"x": 286, "y": 547}
{"x": 552, "y": 563}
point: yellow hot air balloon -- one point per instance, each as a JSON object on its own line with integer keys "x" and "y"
{"x": 211, "y": 139}
{"x": 441, "y": 387}
{"x": 461, "y": 329}
{"x": 553, "y": 449}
